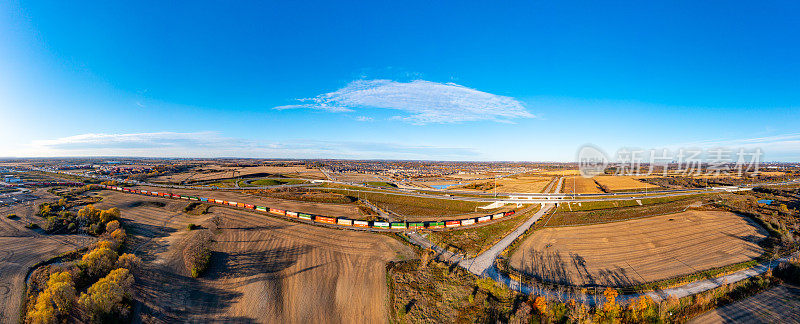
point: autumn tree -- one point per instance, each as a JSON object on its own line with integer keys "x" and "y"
{"x": 106, "y": 297}
{"x": 55, "y": 300}
{"x": 99, "y": 261}
{"x": 197, "y": 253}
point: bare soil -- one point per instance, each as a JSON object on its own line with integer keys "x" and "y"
{"x": 262, "y": 269}
{"x": 22, "y": 248}
{"x": 639, "y": 251}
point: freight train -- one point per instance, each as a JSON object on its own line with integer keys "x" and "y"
{"x": 342, "y": 221}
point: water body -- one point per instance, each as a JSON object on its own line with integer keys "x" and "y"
{"x": 444, "y": 186}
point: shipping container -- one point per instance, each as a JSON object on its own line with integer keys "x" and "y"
{"x": 398, "y": 225}
{"x": 232, "y": 203}
{"x": 344, "y": 221}
{"x": 416, "y": 225}
{"x": 291, "y": 213}
{"x": 323, "y": 219}
{"x": 435, "y": 225}
{"x": 359, "y": 223}
{"x": 304, "y": 216}
{"x": 277, "y": 211}
{"x": 194, "y": 198}
{"x": 510, "y": 212}
{"x": 219, "y": 201}
{"x": 380, "y": 224}
{"x": 261, "y": 208}
{"x": 240, "y": 205}
{"x": 249, "y": 206}
{"x": 498, "y": 216}
{"x": 465, "y": 222}
{"x": 454, "y": 223}
{"x": 204, "y": 199}
{"x": 484, "y": 219}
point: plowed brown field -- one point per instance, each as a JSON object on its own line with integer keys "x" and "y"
{"x": 21, "y": 248}
{"x": 263, "y": 269}
{"x": 638, "y": 251}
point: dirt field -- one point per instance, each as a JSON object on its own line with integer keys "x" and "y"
{"x": 617, "y": 183}
{"x": 583, "y": 185}
{"x": 334, "y": 210}
{"x": 638, "y": 251}
{"x": 780, "y": 304}
{"x": 214, "y": 172}
{"x": 263, "y": 269}
{"x": 21, "y": 248}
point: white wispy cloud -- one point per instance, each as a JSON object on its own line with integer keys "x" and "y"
{"x": 211, "y": 144}
{"x": 784, "y": 147}
{"x": 423, "y": 101}
{"x": 364, "y": 119}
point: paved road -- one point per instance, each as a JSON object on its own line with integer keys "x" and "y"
{"x": 486, "y": 259}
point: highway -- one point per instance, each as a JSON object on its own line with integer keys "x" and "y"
{"x": 514, "y": 198}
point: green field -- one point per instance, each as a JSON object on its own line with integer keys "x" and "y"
{"x": 594, "y": 205}
{"x": 271, "y": 182}
{"x": 415, "y": 206}
{"x": 381, "y": 184}
{"x": 604, "y": 212}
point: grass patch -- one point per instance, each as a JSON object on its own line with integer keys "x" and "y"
{"x": 416, "y": 206}
{"x": 381, "y": 184}
{"x": 271, "y": 182}
{"x": 473, "y": 241}
{"x": 604, "y": 214}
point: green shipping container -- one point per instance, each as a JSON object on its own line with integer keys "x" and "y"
{"x": 398, "y": 225}
{"x": 304, "y": 216}
{"x": 416, "y": 225}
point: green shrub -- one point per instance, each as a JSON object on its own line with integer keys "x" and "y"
{"x": 191, "y": 226}
{"x": 12, "y": 216}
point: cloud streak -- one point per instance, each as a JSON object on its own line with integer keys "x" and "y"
{"x": 423, "y": 102}
{"x": 211, "y": 144}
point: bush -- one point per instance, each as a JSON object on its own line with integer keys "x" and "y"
{"x": 129, "y": 261}
{"x": 197, "y": 253}
{"x": 32, "y": 226}
{"x": 112, "y": 226}
{"x": 12, "y": 216}
{"x": 191, "y": 226}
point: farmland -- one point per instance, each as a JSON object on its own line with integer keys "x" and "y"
{"x": 622, "y": 183}
{"x": 22, "y": 248}
{"x": 263, "y": 269}
{"x": 639, "y": 251}
{"x": 508, "y": 184}
{"x": 578, "y": 184}
{"x": 217, "y": 172}
{"x": 418, "y": 209}
{"x": 781, "y": 304}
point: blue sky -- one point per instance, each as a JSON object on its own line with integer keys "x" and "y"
{"x": 397, "y": 80}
